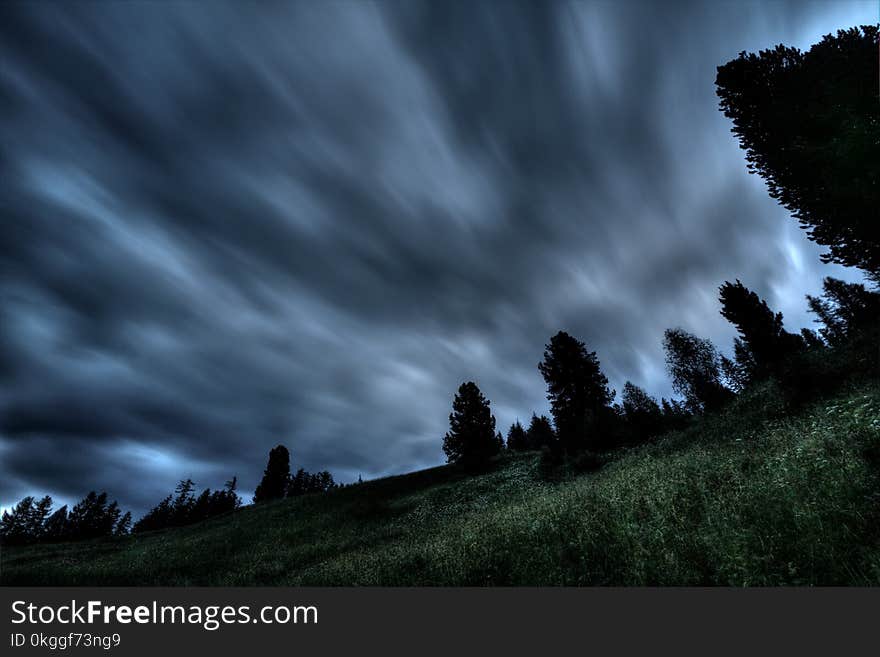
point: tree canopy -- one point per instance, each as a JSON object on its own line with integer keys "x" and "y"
{"x": 694, "y": 366}
{"x": 810, "y": 125}
{"x": 763, "y": 344}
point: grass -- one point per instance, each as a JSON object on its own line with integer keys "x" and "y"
{"x": 747, "y": 498}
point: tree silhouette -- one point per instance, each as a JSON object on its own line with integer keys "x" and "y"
{"x": 184, "y": 507}
{"x": 93, "y": 516}
{"x": 810, "y": 125}
{"x": 517, "y": 440}
{"x": 641, "y": 412}
{"x": 15, "y": 524}
{"x": 540, "y": 432}
{"x": 305, "y": 483}
{"x": 184, "y": 502}
{"x": 55, "y": 528}
{"x": 695, "y": 369}
{"x": 124, "y": 525}
{"x": 275, "y": 477}
{"x": 846, "y": 311}
{"x": 763, "y": 344}
{"x": 471, "y": 437}
{"x": 578, "y": 391}
{"x": 158, "y": 517}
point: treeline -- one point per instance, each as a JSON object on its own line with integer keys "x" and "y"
{"x": 821, "y": 161}
{"x": 185, "y": 508}
{"x": 586, "y": 424}
{"x": 277, "y": 482}
{"x": 32, "y": 520}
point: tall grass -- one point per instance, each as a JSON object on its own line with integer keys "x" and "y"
{"x": 750, "y": 497}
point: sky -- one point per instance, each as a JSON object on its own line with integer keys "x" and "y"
{"x": 230, "y": 226}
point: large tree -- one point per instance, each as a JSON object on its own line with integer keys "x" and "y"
{"x": 810, "y": 125}
{"x": 471, "y": 437}
{"x": 763, "y": 344}
{"x": 276, "y": 477}
{"x": 695, "y": 368}
{"x": 578, "y": 391}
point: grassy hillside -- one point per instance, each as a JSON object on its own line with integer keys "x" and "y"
{"x": 741, "y": 499}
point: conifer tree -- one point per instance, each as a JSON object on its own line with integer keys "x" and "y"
{"x": 471, "y": 438}
{"x": 763, "y": 344}
{"x": 578, "y": 392}
{"x": 517, "y": 440}
{"x": 540, "y": 432}
{"x": 276, "y": 477}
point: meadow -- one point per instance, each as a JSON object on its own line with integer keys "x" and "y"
{"x": 754, "y": 496}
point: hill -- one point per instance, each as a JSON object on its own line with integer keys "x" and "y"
{"x": 748, "y": 497}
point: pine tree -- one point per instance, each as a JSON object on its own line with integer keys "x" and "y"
{"x": 276, "y": 477}
{"x": 123, "y": 527}
{"x": 56, "y": 528}
{"x": 158, "y": 517}
{"x": 810, "y": 125}
{"x": 578, "y": 392}
{"x": 517, "y": 440}
{"x": 471, "y": 438}
{"x": 846, "y": 311}
{"x": 16, "y": 523}
{"x": 540, "y": 433}
{"x": 763, "y": 345}
{"x": 93, "y": 517}
{"x": 184, "y": 502}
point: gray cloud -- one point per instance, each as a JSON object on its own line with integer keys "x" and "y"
{"x": 309, "y": 222}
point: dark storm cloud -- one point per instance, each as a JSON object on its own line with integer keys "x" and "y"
{"x": 307, "y": 223}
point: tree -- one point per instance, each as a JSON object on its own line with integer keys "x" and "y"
{"x": 517, "y": 440}
{"x": 184, "y": 502}
{"x": 846, "y": 311}
{"x": 811, "y": 339}
{"x": 276, "y": 476}
{"x": 201, "y": 507}
{"x": 15, "y": 525}
{"x": 305, "y": 483}
{"x": 56, "y": 528}
{"x": 578, "y": 391}
{"x": 159, "y": 517}
{"x": 810, "y": 125}
{"x": 471, "y": 437}
{"x": 540, "y": 432}
{"x": 695, "y": 368}
{"x": 93, "y": 517}
{"x": 763, "y": 344}
{"x": 123, "y": 527}
{"x": 184, "y": 507}
{"x": 641, "y": 413}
